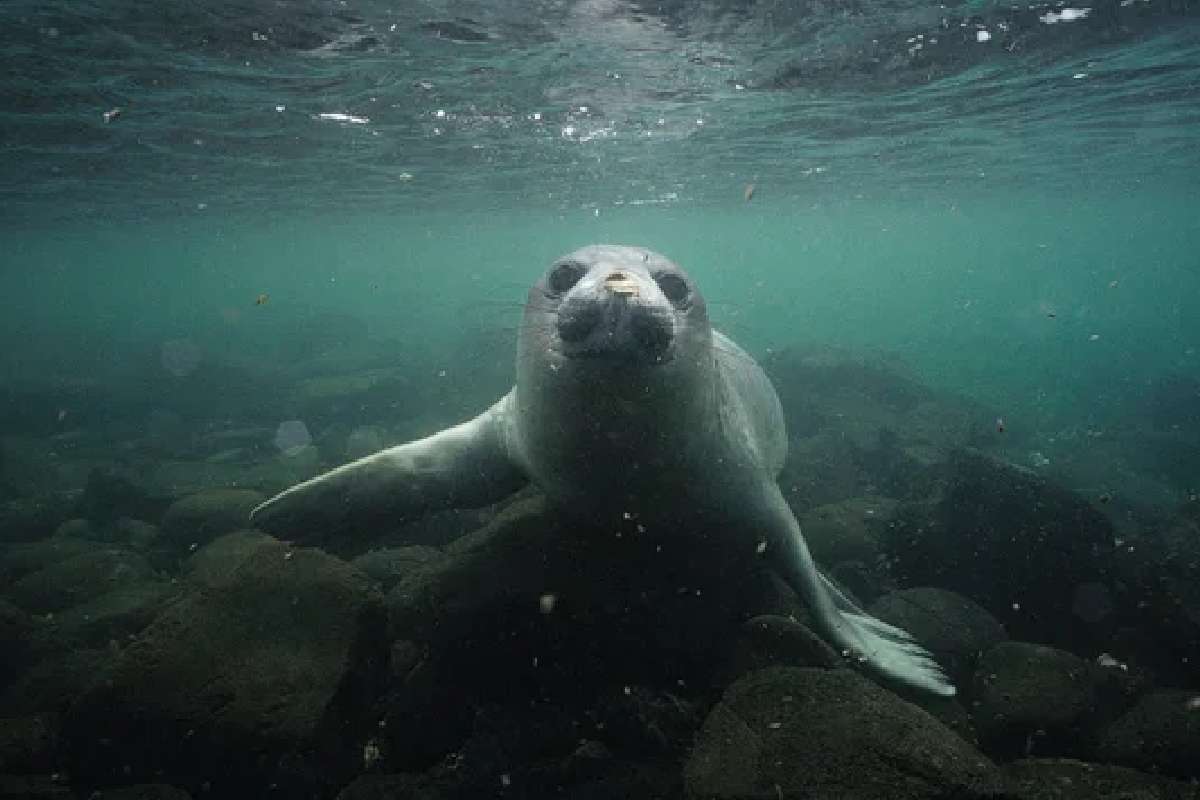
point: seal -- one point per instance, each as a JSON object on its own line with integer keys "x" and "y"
{"x": 627, "y": 404}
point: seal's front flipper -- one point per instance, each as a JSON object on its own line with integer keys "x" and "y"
{"x": 466, "y": 466}
{"x": 889, "y": 652}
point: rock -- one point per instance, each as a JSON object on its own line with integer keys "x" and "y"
{"x": 1065, "y": 779}
{"x": 1034, "y": 699}
{"x": 113, "y": 615}
{"x": 1161, "y": 733}
{"x": 213, "y": 564}
{"x": 955, "y": 629}
{"x": 17, "y": 630}
{"x": 771, "y": 640}
{"x": 76, "y": 528}
{"x": 790, "y": 732}
{"x": 21, "y": 559}
{"x": 262, "y": 679}
{"x": 145, "y": 791}
{"x": 396, "y": 786}
{"x": 28, "y": 519}
{"x": 389, "y": 564}
{"x": 646, "y": 723}
{"x": 136, "y": 533}
{"x": 848, "y": 530}
{"x": 575, "y": 605}
{"x": 55, "y": 682}
{"x": 1009, "y": 540}
{"x": 108, "y": 496}
{"x": 201, "y": 517}
{"x": 34, "y": 787}
{"x": 29, "y": 744}
{"x": 78, "y": 580}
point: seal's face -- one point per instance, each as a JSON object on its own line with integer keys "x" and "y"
{"x": 623, "y": 305}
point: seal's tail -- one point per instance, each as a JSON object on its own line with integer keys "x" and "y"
{"x": 889, "y": 651}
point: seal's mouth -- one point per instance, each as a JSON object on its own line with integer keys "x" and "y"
{"x": 617, "y": 326}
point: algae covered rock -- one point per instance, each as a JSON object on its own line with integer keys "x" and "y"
{"x": 1032, "y": 698}
{"x": 1067, "y": 779}
{"x": 79, "y": 579}
{"x": 201, "y": 517}
{"x": 1160, "y": 733}
{"x": 260, "y": 678}
{"x": 789, "y": 732}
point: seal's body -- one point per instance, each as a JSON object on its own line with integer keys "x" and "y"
{"x": 627, "y": 406}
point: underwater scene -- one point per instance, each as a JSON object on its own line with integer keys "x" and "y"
{"x": 681, "y": 400}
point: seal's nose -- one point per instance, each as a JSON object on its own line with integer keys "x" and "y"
{"x": 621, "y": 284}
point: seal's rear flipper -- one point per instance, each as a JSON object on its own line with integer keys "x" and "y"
{"x": 466, "y": 466}
{"x": 887, "y": 651}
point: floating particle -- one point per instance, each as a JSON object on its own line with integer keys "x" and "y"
{"x": 262, "y": 299}
{"x": 338, "y": 116}
{"x": 280, "y": 108}
{"x": 112, "y": 114}
{"x": 1105, "y": 497}
{"x": 999, "y": 424}
{"x": 547, "y": 602}
{"x": 748, "y": 192}
{"x": 1095, "y": 337}
{"x": 1113, "y": 284}
{"x": 982, "y": 36}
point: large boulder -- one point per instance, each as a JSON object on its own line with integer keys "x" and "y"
{"x": 787, "y": 732}
{"x": 262, "y": 679}
{"x": 1161, "y": 733}
{"x": 201, "y": 517}
{"x": 1012, "y": 541}
{"x": 1031, "y": 699}
{"x": 1067, "y": 779}
{"x": 79, "y": 579}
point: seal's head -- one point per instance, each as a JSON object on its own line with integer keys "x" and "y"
{"x": 624, "y": 305}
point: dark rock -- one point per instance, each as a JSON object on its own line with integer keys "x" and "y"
{"x": 575, "y": 606}
{"x": 1011, "y": 541}
{"x": 1031, "y": 699}
{"x": 18, "y": 560}
{"x": 213, "y": 564}
{"x": 29, "y": 744}
{"x": 113, "y": 615}
{"x": 952, "y": 627}
{"x": 646, "y": 723}
{"x": 17, "y": 630}
{"x": 55, "y": 682}
{"x": 771, "y": 640}
{"x": 28, "y": 519}
{"x": 79, "y": 579}
{"x": 1160, "y": 572}
{"x": 1161, "y": 733}
{"x": 34, "y": 787}
{"x": 397, "y": 787}
{"x": 136, "y": 533}
{"x": 263, "y": 679}
{"x": 144, "y": 791}
{"x": 1065, "y": 779}
{"x": 199, "y": 518}
{"x": 844, "y": 538}
{"x": 108, "y": 496}
{"x": 800, "y": 733}
{"x": 388, "y": 565}
{"x": 77, "y": 528}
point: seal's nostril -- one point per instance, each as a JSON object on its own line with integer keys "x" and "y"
{"x": 577, "y": 320}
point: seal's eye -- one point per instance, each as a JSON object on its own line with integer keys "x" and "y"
{"x": 565, "y": 275}
{"x": 673, "y": 287}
